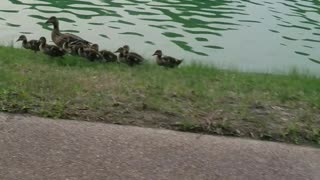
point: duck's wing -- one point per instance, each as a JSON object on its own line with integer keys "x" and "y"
{"x": 34, "y": 44}
{"x": 92, "y": 54}
{"x": 75, "y": 48}
{"x": 169, "y": 59}
{"x": 78, "y": 42}
{"x": 179, "y": 61}
{"x": 135, "y": 57}
{"x": 71, "y": 39}
{"x": 172, "y": 60}
{"x": 76, "y": 39}
{"x": 73, "y": 36}
{"x": 56, "y": 51}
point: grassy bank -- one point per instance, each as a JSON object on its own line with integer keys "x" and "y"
{"x": 192, "y": 98}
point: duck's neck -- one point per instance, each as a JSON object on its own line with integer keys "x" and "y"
{"x": 24, "y": 43}
{"x": 159, "y": 56}
{"x": 122, "y": 54}
{"x": 56, "y": 26}
{"x": 42, "y": 46}
{"x": 56, "y": 30}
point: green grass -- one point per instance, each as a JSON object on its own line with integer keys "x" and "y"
{"x": 192, "y": 98}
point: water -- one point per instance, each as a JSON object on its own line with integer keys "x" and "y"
{"x": 252, "y": 35}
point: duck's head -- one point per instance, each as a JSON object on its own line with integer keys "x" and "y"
{"x": 126, "y": 48}
{"x": 42, "y": 40}
{"x": 157, "y": 53}
{"x": 120, "y": 50}
{"x": 95, "y": 47}
{"x": 22, "y": 38}
{"x": 52, "y": 20}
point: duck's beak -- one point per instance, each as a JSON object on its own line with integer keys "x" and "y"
{"x": 18, "y": 40}
{"x": 48, "y": 21}
{"x": 154, "y": 54}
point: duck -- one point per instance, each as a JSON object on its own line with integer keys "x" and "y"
{"x": 130, "y": 58}
{"x": 121, "y": 56}
{"x": 60, "y": 38}
{"x": 106, "y": 56}
{"x": 32, "y": 44}
{"x": 50, "y": 50}
{"x": 166, "y": 61}
{"x": 91, "y": 53}
{"x": 73, "y": 48}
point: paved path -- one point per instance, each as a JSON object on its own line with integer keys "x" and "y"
{"x": 34, "y": 148}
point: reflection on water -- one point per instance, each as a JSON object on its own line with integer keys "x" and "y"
{"x": 267, "y": 35}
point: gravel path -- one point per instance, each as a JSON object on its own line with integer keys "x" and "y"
{"x": 35, "y": 148}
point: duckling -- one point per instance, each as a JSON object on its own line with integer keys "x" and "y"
{"x": 89, "y": 53}
{"x": 72, "y": 48}
{"x": 94, "y": 47}
{"x": 50, "y": 50}
{"x": 107, "y": 56}
{"x": 121, "y": 56}
{"x": 59, "y": 38}
{"x": 166, "y": 61}
{"x": 81, "y": 52}
{"x": 126, "y": 49}
{"x": 66, "y": 46}
{"x": 32, "y": 44}
{"x": 130, "y": 58}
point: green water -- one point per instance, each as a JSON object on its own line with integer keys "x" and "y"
{"x": 252, "y": 35}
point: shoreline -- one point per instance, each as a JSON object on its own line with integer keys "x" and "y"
{"x": 193, "y": 98}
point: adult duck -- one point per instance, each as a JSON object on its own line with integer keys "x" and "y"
{"x": 32, "y": 44}
{"x": 50, "y": 50}
{"x": 130, "y": 58}
{"x": 166, "y": 61}
{"x": 60, "y": 38}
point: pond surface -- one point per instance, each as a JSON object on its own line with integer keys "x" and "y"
{"x": 251, "y": 35}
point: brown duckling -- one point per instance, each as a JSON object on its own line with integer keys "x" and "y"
{"x": 130, "y": 58}
{"x": 59, "y": 38}
{"x": 121, "y": 56}
{"x": 106, "y": 56}
{"x": 166, "y": 61}
{"x": 50, "y": 50}
{"x": 32, "y": 44}
{"x": 90, "y": 53}
{"x": 72, "y": 48}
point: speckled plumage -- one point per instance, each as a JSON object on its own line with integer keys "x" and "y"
{"x": 60, "y": 38}
{"x": 166, "y": 61}
{"x": 32, "y": 44}
{"x": 50, "y": 50}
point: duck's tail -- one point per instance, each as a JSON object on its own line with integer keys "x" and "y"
{"x": 179, "y": 61}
